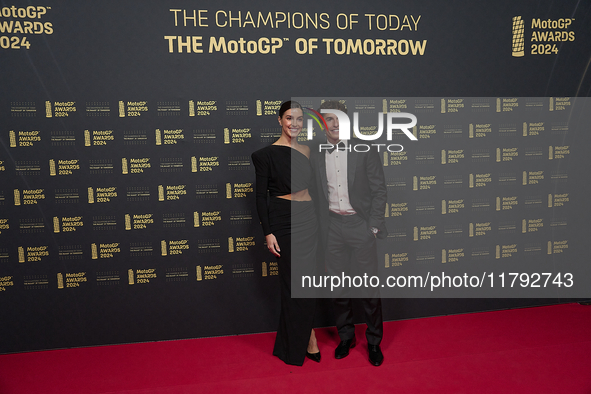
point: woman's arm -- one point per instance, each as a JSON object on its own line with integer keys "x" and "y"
{"x": 261, "y": 186}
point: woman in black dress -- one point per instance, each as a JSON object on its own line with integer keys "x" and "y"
{"x": 289, "y": 223}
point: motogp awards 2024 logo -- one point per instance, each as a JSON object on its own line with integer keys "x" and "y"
{"x": 547, "y": 35}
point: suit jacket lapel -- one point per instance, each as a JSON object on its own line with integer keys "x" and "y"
{"x": 322, "y": 173}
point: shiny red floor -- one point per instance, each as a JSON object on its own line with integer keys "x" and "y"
{"x": 532, "y": 350}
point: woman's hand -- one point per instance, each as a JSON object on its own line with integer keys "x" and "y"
{"x": 273, "y": 245}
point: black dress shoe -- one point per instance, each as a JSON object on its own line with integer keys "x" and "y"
{"x": 313, "y": 356}
{"x": 342, "y": 350}
{"x": 375, "y": 355}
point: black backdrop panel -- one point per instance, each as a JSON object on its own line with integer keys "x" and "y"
{"x": 126, "y": 203}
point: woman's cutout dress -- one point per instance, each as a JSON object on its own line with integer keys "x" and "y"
{"x": 281, "y": 170}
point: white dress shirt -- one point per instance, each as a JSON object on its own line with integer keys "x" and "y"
{"x": 338, "y": 187}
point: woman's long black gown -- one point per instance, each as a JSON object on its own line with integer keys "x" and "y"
{"x": 281, "y": 170}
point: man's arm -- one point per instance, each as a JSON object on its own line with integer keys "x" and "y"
{"x": 379, "y": 194}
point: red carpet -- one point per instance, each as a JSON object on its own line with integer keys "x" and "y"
{"x": 533, "y": 350}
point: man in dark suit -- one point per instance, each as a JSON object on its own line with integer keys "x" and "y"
{"x": 351, "y": 198}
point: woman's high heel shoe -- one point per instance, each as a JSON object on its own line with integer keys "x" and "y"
{"x": 313, "y": 356}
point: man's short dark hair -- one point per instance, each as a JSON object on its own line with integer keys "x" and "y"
{"x": 333, "y": 104}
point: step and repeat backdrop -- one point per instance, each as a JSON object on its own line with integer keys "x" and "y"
{"x": 127, "y": 207}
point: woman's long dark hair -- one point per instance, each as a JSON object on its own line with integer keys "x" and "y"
{"x": 288, "y": 105}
